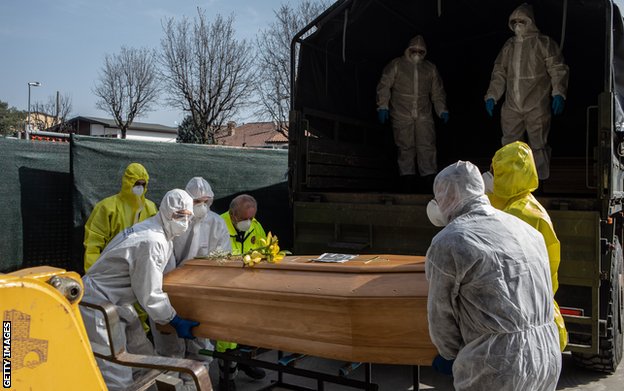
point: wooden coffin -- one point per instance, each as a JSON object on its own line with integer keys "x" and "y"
{"x": 369, "y": 309}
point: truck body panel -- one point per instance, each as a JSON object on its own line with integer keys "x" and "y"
{"x": 343, "y": 174}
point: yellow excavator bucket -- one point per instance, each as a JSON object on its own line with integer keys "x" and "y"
{"x": 44, "y": 342}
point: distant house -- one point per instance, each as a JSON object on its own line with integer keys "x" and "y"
{"x": 41, "y": 121}
{"x": 102, "y": 127}
{"x": 253, "y": 134}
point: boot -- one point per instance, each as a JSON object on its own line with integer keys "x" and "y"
{"x": 252, "y": 372}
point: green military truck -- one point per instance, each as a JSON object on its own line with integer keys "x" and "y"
{"x": 343, "y": 174}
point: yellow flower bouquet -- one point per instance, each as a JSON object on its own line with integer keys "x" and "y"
{"x": 269, "y": 251}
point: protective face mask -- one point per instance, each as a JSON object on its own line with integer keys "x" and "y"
{"x": 178, "y": 227}
{"x": 417, "y": 57}
{"x": 520, "y": 29}
{"x": 200, "y": 210}
{"x": 488, "y": 181}
{"x": 434, "y": 214}
{"x": 243, "y": 226}
{"x": 138, "y": 190}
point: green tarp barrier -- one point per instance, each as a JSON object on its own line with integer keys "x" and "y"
{"x": 35, "y": 204}
{"x": 98, "y": 165}
{"x": 47, "y": 190}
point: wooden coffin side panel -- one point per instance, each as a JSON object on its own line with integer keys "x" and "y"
{"x": 377, "y": 318}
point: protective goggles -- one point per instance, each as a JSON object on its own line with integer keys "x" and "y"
{"x": 181, "y": 216}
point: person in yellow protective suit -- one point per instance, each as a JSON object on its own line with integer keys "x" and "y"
{"x": 116, "y": 213}
{"x": 514, "y": 179}
{"x": 245, "y": 234}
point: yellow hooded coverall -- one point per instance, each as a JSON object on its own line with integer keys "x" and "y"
{"x": 116, "y": 213}
{"x": 515, "y": 178}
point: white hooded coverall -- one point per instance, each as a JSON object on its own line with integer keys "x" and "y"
{"x": 529, "y": 70}
{"x": 130, "y": 269}
{"x": 203, "y": 236}
{"x": 407, "y": 88}
{"x": 490, "y": 301}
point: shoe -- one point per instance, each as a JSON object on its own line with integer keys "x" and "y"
{"x": 252, "y": 372}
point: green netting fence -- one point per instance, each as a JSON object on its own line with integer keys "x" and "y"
{"x": 35, "y": 199}
{"x": 48, "y": 189}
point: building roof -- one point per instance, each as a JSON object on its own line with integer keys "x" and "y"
{"x": 253, "y": 134}
{"x": 277, "y": 138}
{"x": 134, "y": 126}
{"x": 141, "y": 126}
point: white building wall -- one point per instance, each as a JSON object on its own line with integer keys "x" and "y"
{"x": 111, "y": 131}
{"x": 97, "y": 130}
{"x": 150, "y": 136}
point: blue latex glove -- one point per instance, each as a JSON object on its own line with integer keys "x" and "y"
{"x": 383, "y": 115}
{"x": 443, "y": 365}
{"x": 489, "y": 106}
{"x": 183, "y": 327}
{"x": 558, "y": 104}
{"x": 445, "y": 117}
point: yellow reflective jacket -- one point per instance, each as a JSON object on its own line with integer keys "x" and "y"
{"x": 116, "y": 213}
{"x": 515, "y": 177}
{"x": 251, "y": 238}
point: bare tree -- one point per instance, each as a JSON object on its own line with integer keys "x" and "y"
{"x": 127, "y": 85}
{"x": 273, "y": 82}
{"x": 52, "y": 113}
{"x": 206, "y": 70}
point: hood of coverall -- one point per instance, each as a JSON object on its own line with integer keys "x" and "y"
{"x": 198, "y": 187}
{"x": 514, "y": 171}
{"x": 175, "y": 200}
{"x": 133, "y": 173}
{"x": 524, "y": 12}
{"x": 418, "y": 42}
{"x": 458, "y": 186}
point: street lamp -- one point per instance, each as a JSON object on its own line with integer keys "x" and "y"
{"x": 30, "y": 84}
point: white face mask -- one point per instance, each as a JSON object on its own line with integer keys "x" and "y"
{"x": 178, "y": 227}
{"x": 488, "y": 181}
{"x": 200, "y": 210}
{"x": 417, "y": 58}
{"x": 434, "y": 214}
{"x": 138, "y": 190}
{"x": 243, "y": 226}
{"x": 520, "y": 29}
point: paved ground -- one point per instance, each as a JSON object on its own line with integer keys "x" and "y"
{"x": 398, "y": 378}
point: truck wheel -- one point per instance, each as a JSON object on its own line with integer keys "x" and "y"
{"x": 610, "y": 353}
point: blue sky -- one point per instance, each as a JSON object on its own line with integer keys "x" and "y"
{"x": 62, "y": 43}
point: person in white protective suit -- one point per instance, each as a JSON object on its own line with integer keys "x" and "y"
{"x": 529, "y": 70}
{"x": 206, "y": 234}
{"x": 207, "y": 231}
{"x": 490, "y": 306}
{"x": 408, "y": 86}
{"x": 130, "y": 269}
